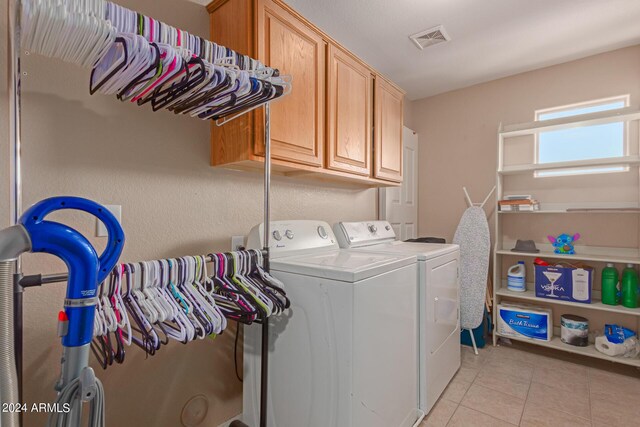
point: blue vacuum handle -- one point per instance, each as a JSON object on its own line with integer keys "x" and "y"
{"x": 109, "y": 257}
{"x": 86, "y": 269}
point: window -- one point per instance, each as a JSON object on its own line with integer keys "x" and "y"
{"x": 582, "y": 143}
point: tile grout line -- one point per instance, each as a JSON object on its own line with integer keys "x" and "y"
{"x": 451, "y": 417}
{"x": 526, "y": 399}
{"x": 496, "y": 359}
{"x": 484, "y": 365}
{"x": 458, "y": 404}
{"x": 562, "y": 410}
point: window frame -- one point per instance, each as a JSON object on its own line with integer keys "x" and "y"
{"x": 569, "y": 172}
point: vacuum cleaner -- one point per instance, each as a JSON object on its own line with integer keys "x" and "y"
{"x": 34, "y": 233}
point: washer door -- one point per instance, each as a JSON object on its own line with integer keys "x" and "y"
{"x": 385, "y": 350}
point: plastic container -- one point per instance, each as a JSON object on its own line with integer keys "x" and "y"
{"x": 610, "y": 285}
{"x": 630, "y": 287}
{"x": 516, "y": 277}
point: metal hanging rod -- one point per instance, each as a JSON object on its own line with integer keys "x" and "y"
{"x": 43, "y": 279}
{"x": 15, "y": 169}
{"x": 264, "y": 353}
{"x": 15, "y": 202}
{"x": 226, "y": 120}
{"x": 40, "y": 279}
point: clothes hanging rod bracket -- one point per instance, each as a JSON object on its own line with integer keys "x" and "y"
{"x": 226, "y": 120}
{"x": 32, "y": 280}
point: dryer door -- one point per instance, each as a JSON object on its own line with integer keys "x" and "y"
{"x": 440, "y": 326}
{"x": 443, "y": 299}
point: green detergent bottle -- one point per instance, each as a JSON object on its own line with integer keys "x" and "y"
{"x": 610, "y": 287}
{"x": 630, "y": 287}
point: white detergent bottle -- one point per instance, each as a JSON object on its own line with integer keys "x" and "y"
{"x": 516, "y": 277}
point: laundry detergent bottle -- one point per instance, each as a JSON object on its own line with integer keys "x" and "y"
{"x": 516, "y": 277}
{"x": 630, "y": 287}
{"x": 610, "y": 285}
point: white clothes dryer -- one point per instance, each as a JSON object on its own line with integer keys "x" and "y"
{"x": 439, "y": 299}
{"x": 345, "y": 353}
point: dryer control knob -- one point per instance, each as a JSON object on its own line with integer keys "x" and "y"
{"x": 289, "y": 234}
{"x": 322, "y": 232}
{"x": 373, "y": 228}
{"x": 276, "y": 235}
{"x": 387, "y": 227}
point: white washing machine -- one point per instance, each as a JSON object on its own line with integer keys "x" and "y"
{"x": 439, "y": 299}
{"x": 345, "y": 354}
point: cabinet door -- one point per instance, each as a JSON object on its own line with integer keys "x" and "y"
{"x": 349, "y": 87}
{"x": 285, "y": 42}
{"x": 388, "y": 131}
{"x": 232, "y": 25}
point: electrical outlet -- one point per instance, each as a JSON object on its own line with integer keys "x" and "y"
{"x": 237, "y": 242}
{"x": 116, "y": 210}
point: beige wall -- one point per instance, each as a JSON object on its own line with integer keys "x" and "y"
{"x": 156, "y": 166}
{"x": 407, "y": 115}
{"x": 458, "y": 133}
{"x": 458, "y": 147}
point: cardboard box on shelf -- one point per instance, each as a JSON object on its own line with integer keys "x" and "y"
{"x": 564, "y": 283}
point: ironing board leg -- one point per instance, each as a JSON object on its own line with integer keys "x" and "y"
{"x": 473, "y": 341}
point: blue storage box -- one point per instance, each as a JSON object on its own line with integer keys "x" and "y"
{"x": 564, "y": 283}
{"x": 481, "y": 333}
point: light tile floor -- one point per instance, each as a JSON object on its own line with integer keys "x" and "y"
{"x": 525, "y": 386}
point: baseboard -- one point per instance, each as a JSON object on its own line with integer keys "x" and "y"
{"x": 230, "y": 420}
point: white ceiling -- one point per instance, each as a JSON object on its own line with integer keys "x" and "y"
{"x": 490, "y": 38}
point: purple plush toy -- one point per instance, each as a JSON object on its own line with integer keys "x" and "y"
{"x": 563, "y": 244}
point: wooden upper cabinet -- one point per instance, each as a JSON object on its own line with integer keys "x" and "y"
{"x": 232, "y": 23}
{"x": 268, "y": 31}
{"x": 387, "y": 144}
{"x": 297, "y": 120}
{"x": 349, "y": 113}
{"x": 341, "y": 120}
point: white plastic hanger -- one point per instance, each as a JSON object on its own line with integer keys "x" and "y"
{"x": 124, "y": 324}
{"x": 155, "y": 340}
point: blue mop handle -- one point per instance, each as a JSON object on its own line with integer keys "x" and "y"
{"x": 86, "y": 269}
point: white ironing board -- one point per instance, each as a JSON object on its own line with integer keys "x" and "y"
{"x": 472, "y": 235}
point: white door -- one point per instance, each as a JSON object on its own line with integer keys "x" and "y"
{"x": 399, "y": 205}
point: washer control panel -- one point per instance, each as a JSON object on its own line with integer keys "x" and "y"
{"x": 356, "y": 234}
{"x": 288, "y": 238}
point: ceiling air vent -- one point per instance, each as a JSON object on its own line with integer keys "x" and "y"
{"x": 430, "y": 37}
